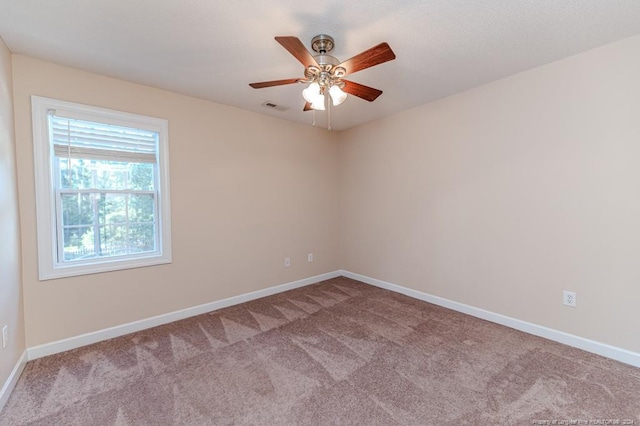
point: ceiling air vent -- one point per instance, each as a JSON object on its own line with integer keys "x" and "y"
{"x": 271, "y": 105}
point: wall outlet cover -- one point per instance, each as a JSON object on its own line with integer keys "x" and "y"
{"x": 5, "y": 336}
{"x": 569, "y": 298}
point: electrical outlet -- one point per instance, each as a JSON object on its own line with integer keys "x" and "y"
{"x": 287, "y": 262}
{"x": 569, "y": 298}
{"x": 5, "y": 336}
{"x": 310, "y": 257}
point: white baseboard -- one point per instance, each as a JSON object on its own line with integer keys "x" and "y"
{"x": 121, "y": 330}
{"x": 618, "y": 354}
{"x": 12, "y": 379}
{"x": 603, "y": 349}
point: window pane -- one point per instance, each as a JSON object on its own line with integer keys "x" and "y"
{"x": 113, "y": 208}
{"x": 142, "y": 176}
{"x": 74, "y": 173}
{"x": 110, "y": 175}
{"x": 77, "y": 209}
{"x": 141, "y": 238}
{"x": 78, "y": 243}
{"x": 77, "y": 173}
{"x": 142, "y": 208}
{"x": 113, "y": 240}
{"x": 125, "y": 224}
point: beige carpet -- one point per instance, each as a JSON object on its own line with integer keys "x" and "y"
{"x": 338, "y": 352}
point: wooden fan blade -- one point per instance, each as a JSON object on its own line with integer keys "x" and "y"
{"x": 307, "y": 107}
{"x": 297, "y": 49}
{"x": 360, "y": 90}
{"x": 274, "y": 83}
{"x": 369, "y": 58}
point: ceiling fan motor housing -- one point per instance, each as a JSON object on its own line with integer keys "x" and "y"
{"x": 322, "y": 43}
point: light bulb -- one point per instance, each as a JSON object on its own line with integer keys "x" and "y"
{"x": 311, "y": 93}
{"x": 337, "y": 95}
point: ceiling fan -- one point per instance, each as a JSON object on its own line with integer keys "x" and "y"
{"x": 326, "y": 73}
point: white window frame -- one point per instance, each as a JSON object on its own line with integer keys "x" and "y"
{"x": 49, "y": 267}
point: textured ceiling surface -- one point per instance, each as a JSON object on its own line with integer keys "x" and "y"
{"x": 214, "y": 49}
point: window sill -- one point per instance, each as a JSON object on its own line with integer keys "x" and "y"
{"x": 104, "y": 265}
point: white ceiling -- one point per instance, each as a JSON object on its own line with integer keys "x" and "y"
{"x": 213, "y": 49}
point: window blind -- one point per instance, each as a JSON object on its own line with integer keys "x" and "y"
{"x": 76, "y": 138}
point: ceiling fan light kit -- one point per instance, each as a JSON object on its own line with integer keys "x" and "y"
{"x": 337, "y": 95}
{"x": 325, "y": 73}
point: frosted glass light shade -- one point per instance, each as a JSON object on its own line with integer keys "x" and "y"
{"x": 337, "y": 95}
{"x": 311, "y": 93}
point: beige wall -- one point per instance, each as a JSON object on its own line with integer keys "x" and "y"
{"x": 499, "y": 197}
{"x": 247, "y": 191}
{"x": 10, "y": 289}
{"x": 503, "y": 196}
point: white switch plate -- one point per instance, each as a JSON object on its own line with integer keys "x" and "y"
{"x": 287, "y": 262}
{"x": 310, "y": 257}
{"x": 5, "y": 336}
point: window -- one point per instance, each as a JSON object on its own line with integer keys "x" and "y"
{"x": 102, "y": 189}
